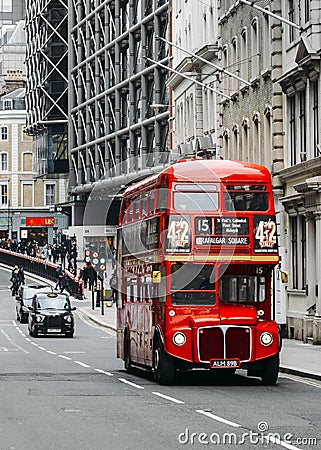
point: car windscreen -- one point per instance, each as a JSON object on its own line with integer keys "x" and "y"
{"x": 52, "y": 303}
{"x": 29, "y": 293}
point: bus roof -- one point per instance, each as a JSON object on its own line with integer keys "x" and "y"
{"x": 208, "y": 171}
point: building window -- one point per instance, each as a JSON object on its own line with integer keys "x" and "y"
{"x": 245, "y": 140}
{"x": 307, "y": 10}
{"x": 5, "y": 5}
{"x": 256, "y": 152}
{"x": 315, "y": 115}
{"x": 235, "y": 63}
{"x": 266, "y": 54}
{"x": 302, "y": 122}
{"x": 50, "y": 192}
{"x": 294, "y": 251}
{"x": 292, "y": 134}
{"x": 4, "y": 133}
{"x": 303, "y": 251}
{"x": 255, "y": 49}
{"x": 4, "y": 194}
{"x": 244, "y": 55}
{"x": 291, "y": 16}
{"x": 235, "y": 150}
{"x": 4, "y": 162}
{"x": 7, "y": 104}
{"x": 268, "y": 144}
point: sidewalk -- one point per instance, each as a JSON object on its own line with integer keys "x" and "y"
{"x": 297, "y": 358}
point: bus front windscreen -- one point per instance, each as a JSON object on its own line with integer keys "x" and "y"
{"x": 192, "y": 284}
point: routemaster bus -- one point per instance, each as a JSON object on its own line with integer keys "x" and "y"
{"x": 196, "y": 249}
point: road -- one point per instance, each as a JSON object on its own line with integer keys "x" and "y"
{"x": 60, "y": 393}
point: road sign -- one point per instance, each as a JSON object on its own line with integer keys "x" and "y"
{"x": 95, "y": 254}
{"x": 102, "y": 267}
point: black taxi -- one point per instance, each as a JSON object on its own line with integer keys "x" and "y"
{"x": 51, "y": 313}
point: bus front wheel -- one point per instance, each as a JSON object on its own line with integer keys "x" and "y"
{"x": 164, "y": 368}
{"x": 270, "y": 371}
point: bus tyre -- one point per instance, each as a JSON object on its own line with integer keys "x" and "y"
{"x": 163, "y": 366}
{"x": 127, "y": 359}
{"x": 270, "y": 370}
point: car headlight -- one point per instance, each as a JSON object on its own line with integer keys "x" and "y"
{"x": 39, "y": 318}
{"x": 179, "y": 338}
{"x": 266, "y": 339}
{"x": 68, "y": 319}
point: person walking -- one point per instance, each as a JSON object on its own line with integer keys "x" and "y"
{"x": 15, "y": 281}
{"x": 92, "y": 275}
{"x": 59, "y": 274}
{"x": 65, "y": 283}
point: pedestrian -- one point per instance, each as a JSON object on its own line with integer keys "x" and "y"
{"x": 59, "y": 274}
{"x": 92, "y": 275}
{"x": 65, "y": 283}
{"x": 15, "y": 281}
{"x": 21, "y": 275}
{"x": 113, "y": 284}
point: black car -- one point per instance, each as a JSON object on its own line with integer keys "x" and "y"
{"x": 51, "y": 313}
{"x": 24, "y": 299}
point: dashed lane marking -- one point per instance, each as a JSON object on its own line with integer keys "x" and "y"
{"x": 81, "y": 364}
{"x": 137, "y": 386}
{"x": 104, "y": 372}
{"x": 166, "y": 397}
{"x": 218, "y": 419}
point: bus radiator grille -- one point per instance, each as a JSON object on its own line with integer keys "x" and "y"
{"x": 220, "y": 343}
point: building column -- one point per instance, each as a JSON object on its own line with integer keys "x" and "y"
{"x": 311, "y": 287}
{"x": 317, "y": 260}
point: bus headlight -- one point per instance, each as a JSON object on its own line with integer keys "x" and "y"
{"x": 179, "y": 338}
{"x": 266, "y": 339}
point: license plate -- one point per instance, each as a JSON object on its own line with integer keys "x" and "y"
{"x": 54, "y": 330}
{"x": 224, "y": 363}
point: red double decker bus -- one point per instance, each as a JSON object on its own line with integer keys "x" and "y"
{"x": 196, "y": 249}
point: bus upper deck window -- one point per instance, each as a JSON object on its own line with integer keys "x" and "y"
{"x": 151, "y": 200}
{"x": 162, "y": 199}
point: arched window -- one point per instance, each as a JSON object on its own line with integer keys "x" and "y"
{"x": 255, "y": 49}
{"x": 256, "y": 155}
{"x": 244, "y": 55}
{"x": 245, "y": 139}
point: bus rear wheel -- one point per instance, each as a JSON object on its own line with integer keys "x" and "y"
{"x": 270, "y": 371}
{"x": 164, "y": 368}
{"x": 127, "y": 359}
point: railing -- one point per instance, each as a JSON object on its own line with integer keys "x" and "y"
{"x": 40, "y": 267}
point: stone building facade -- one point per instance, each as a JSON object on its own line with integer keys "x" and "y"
{"x": 26, "y": 202}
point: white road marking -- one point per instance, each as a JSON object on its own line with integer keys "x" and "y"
{"x": 74, "y": 353}
{"x": 172, "y": 399}
{"x": 105, "y": 373}
{"x": 282, "y": 443}
{"x": 301, "y": 380}
{"x": 219, "y": 419}
{"x": 64, "y": 357}
{"x": 81, "y": 364}
{"x": 34, "y": 343}
{"x": 123, "y": 380}
{"x": 28, "y": 340}
{"x": 41, "y": 348}
{"x": 51, "y": 353}
{"x": 13, "y": 343}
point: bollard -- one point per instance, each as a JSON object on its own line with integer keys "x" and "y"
{"x": 92, "y": 297}
{"x": 98, "y": 293}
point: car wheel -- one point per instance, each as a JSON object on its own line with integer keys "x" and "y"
{"x": 30, "y": 331}
{"x": 69, "y": 335}
{"x": 18, "y": 318}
